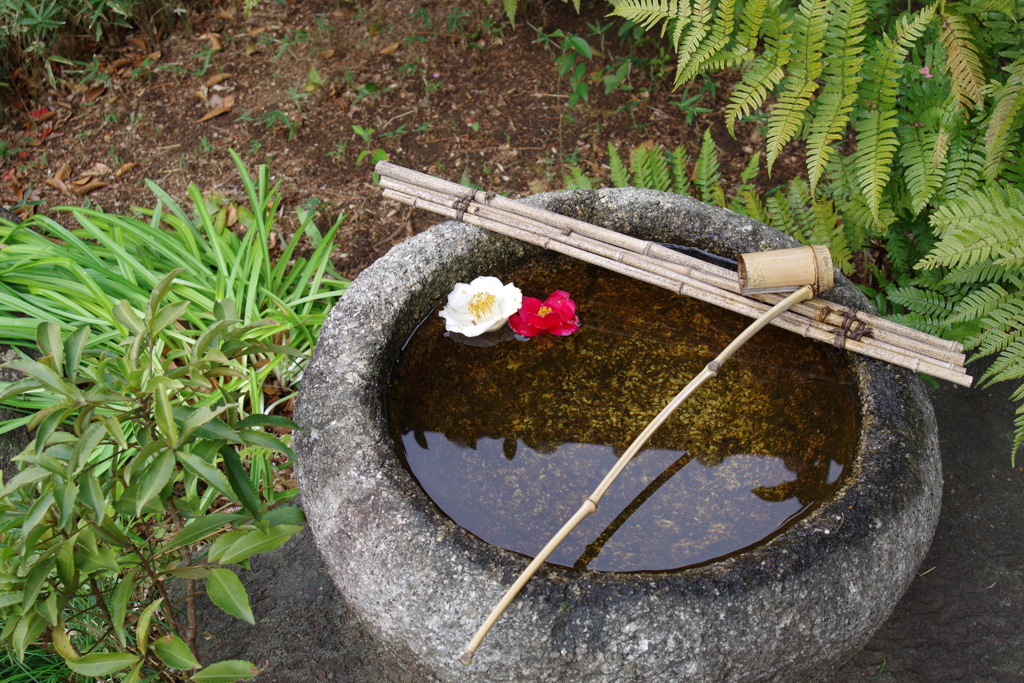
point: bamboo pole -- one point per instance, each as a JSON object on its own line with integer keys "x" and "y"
{"x": 735, "y": 302}
{"x": 590, "y": 504}
{"x": 502, "y": 209}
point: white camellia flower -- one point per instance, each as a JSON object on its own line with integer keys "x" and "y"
{"x": 481, "y": 306}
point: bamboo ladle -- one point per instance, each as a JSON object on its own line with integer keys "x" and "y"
{"x": 804, "y": 271}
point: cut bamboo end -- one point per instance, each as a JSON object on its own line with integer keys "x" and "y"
{"x": 786, "y": 270}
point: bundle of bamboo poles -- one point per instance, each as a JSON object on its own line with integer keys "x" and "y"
{"x": 659, "y": 265}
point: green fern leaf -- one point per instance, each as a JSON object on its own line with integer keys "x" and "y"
{"x": 649, "y": 13}
{"x": 620, "y": 174}
{"x": 964, "y": 167}
{"x": 876, "y": 137}
{"x": 980, "y": 303}
{"x": 1009, "y": 103}
{"x": 965, "y": 69}
{"x": 842, "y": 66}
{"x": 984, "y": 225}
{"x": 708, "y": 177}
{"x": 710, "y": 48}
{"x": 917, "y": 154}
{"x": 578, "y": 180}
{"x": 1008, "y": 366}
{"x": 680, "y": 181}
{"x": 922, "y": 301}
{"x": 765, "y": 73}
{"x": 700, "y": 17}
{"x": 750, "y": 23}
{"x": 801, "y": 84}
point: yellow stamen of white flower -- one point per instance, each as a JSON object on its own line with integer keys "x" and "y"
{"x": 482, "y": 304}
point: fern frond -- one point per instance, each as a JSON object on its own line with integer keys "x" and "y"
{"x": 648, "y": 13}
{"x": 965, "y": 69}
{"x": 1009, "y": 103}
{"x": 620, "y": 174}
{"x": 577, "y": 180}
{"x": 980, "y": 303}
{"x": 765, "y": 73}
{"x": 842, "y": 65}
{"x": 708, "y": 177}
{"x": 1008, "y": 366}
{"x": 924, "y": 302}
{"x": 710, "y": 48}
{"x": 653, "y": 168}
{"x": 700, "y": 17}
{"x": 985, "y": 271}
{"x": 680, "y": 181}
{"x": 750, "y": 23}
{"x": 797, "y": 89}
{"x": 964, "y": 167}
{"x": 876, "y": 138}
{"x": 1001, "y": 329}
{"x": 929, "y": 324}
{"x": 976, "y": 207}
{"x": 923, "y": 171}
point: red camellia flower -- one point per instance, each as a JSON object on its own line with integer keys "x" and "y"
{"x": 556, "y": 315}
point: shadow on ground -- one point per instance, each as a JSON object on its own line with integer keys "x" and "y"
{"x": 961, "y": 619}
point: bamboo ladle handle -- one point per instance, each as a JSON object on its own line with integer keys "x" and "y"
{"x": 806, "y": 291}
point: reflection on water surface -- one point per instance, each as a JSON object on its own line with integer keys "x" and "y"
{"x": 508, "y": 440}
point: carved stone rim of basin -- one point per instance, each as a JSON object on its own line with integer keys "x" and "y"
{"x": 790, "y": 610}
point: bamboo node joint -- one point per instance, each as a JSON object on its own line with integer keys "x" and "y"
{"x": 713, "y": 367}
{"x": 852, "y": 328}
{"x": 460, "y": 205}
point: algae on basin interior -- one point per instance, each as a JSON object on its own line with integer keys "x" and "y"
{"x": 509, "y": 438}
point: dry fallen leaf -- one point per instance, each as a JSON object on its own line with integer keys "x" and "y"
{"x": 232, "y": 216}
{"x": 46, "y": 116}
{"x": 155, "y": 56}
{"x": 226, "y": 14}
{"x": 251, "y": 48}
{"x": 82, "y": 190}
{"x": 93, "y": 93}
{"x": 56, "y": 183}
{"x": 124, "y": 168}
{"x": 214, "y": 39}
{"x": 64, "y": 172}
{"x": 100, "y": 168}
{"x": 139, "y": 43}
{"x": 218, "y": 78}
{"x": 390, "y": 48}
{"x": 213, "y": 113}
{"x": 326, "y": 54}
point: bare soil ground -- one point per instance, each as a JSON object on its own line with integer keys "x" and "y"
{"x": 448, "y": 88}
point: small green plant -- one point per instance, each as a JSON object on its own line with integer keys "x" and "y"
{"x": 570, "y": 48}
{"x": 205, "y": 146}
{"x": 365, "y": 134}
{"x": 277, "y": 120}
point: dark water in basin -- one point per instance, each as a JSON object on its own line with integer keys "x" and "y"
{"x": 509, "y": 440}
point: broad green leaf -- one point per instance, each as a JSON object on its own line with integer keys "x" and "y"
{"x": 132, "y": 500}
{"x": 222, "y": 543}
{"x": 135, "y": 675}
{"x": 124, "y": 314}
{"x": 66, "y": 496}
{"x": 285, "y": 514}
{"x": 35, "y": 582}
{"x": 160, "y": 291}
{"x": 207, "y": 472}
{"x": 66, "y": 563}
{"x": 167, "y": 315}
{"x": 101, "y": 663}
{"x": 215, "y": 429}
{"x": 257, "y": 541}
{"x": 48, "y": 609}
{"x": 88, "y": 563}
{"x": 113, "y": 428}
{"x": 73, "y": 349}
{"x": 91, "y": 495}
{"x": 44, "y": 375}
{"x": 142, "y": 628}
{"x": 36, "y": 512}
{"x": 29, "y": 475}
{"x": 200, "y": 529}
{"x": 30, "y": 625}
{"x": 266, "y": 441}
{"x": 228, "y": 671}
{"x": 85, "y": 447}
{"x": 173, "y": 652}
{"x": 239, "y": 480}
{"x": 164, "y": 416}
{"x": 53, "y": 418}
{"x": 49, "y": 341}
{"x": 119, "y": 603}
{"x": 155, "y": 478}
{"x": 227, "y": 592}
{"x": 265, "y": 421}
{"x": 19, "y": 387}
{"x": 197, "y": 417}
{"x": 11, "y": 598}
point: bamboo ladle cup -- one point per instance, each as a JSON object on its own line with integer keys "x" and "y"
{"x": 804, "y": 271}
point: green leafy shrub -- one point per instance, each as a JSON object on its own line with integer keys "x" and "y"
{"x": 157, "y": 342}
{"x": 37, "y": 34}
{"x": 793, "y": 210}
